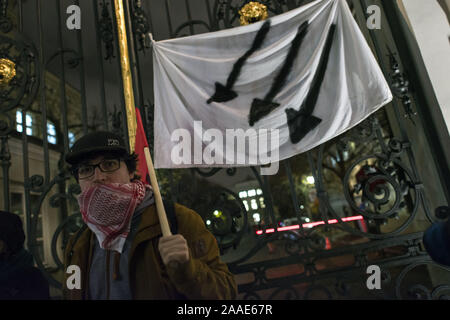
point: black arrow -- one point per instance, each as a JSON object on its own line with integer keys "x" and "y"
{"x": 261, "y": 108}
{"x": 301, "y": 122}
{"x": 224, "y": 93}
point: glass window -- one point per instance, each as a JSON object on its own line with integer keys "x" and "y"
{"x": 258, "y": 191}
{"x": 245, "y": 204}
{"x": 71, "y": 139}
{"x": 254, "y": 204}
{"x": 345, "y": 155}
{"x": 333, "y": 162}
{"x": 28, "y": 122}
{"x": 252, "y": 193}
{"x": 261, "y": 202}
{"x": 257, "y": 217}
{"x": 19, "y": 116}
{"x": 243, "y": 194}
{"x": 310, "y": 180}
{"x": 51, "y": 133}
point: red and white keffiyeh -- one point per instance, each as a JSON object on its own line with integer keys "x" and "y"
{"x": 107, "y": 210}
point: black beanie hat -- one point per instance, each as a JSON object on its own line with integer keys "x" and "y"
{"x": 11, "y": 231}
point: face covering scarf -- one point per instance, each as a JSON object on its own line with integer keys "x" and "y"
{"x": 107, "y": 210}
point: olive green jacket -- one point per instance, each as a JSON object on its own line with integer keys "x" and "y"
{"x": 204, "y": 276}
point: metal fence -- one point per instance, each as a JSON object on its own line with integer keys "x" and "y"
{"x": 358, "y": 200}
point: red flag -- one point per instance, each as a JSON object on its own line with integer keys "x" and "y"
{"x": 140, "y": 144}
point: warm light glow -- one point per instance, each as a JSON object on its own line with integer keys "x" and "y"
{"x": 288, "y": 228}
{"x": 352, "y": 218}
{"x": 208, "y": 222}
{"x": 243, "y": 194}
{"x": 310, "y": 180}
{"x": 310, "y": 225}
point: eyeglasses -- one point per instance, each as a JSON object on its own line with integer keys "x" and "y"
{"x": 85, "y": 171}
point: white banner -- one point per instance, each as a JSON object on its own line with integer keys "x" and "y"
{"x": 265, "y": 92}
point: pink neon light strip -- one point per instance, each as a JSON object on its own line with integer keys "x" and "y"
{"x": 352, "y": 218}
{"x": 288, "y": 228}
{"x": 309, "y": 225}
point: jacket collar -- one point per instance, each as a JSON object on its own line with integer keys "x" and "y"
{"x": 149, "y": 227}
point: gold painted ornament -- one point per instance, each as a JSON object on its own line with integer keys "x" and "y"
{"x": 253, "y": 12}
{"x": 7, "y": 71}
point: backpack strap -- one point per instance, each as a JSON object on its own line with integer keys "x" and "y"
{"x": 169, "y": 206}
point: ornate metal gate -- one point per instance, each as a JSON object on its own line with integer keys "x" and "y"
{"x": 359, "y": 200}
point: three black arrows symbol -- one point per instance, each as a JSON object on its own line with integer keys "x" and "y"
{"x": 299, "y": 122}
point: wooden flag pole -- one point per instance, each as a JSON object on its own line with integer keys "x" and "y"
{"x": 131, "y": 114}
{"x": 165, "y": 228}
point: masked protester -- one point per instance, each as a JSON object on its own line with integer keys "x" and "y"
{"x": 19, "y": 279}
{"x": 122, "y": 254}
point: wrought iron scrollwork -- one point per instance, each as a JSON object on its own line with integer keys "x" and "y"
{"x": 213, "y": 171}
{"x": 106, "y": 31}
{"x": 5, "y": 23}
{"x": 72, "y": 62}
{"x": 6, "y": 125}
{"x": 400, "y": 87}
{"x": 226, "y": 217}
{"x": 418, "y": 291}
{"x": 141, "y": 26}
{"x": 21, "y": 89}
{"x": 317, "y": 292}
{"x": 5, "y": 154}
{"x": 378, "y": 185}
{"x": 71, "y": 224}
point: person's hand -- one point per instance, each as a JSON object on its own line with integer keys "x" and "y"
{"x": 174, "y": 250}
